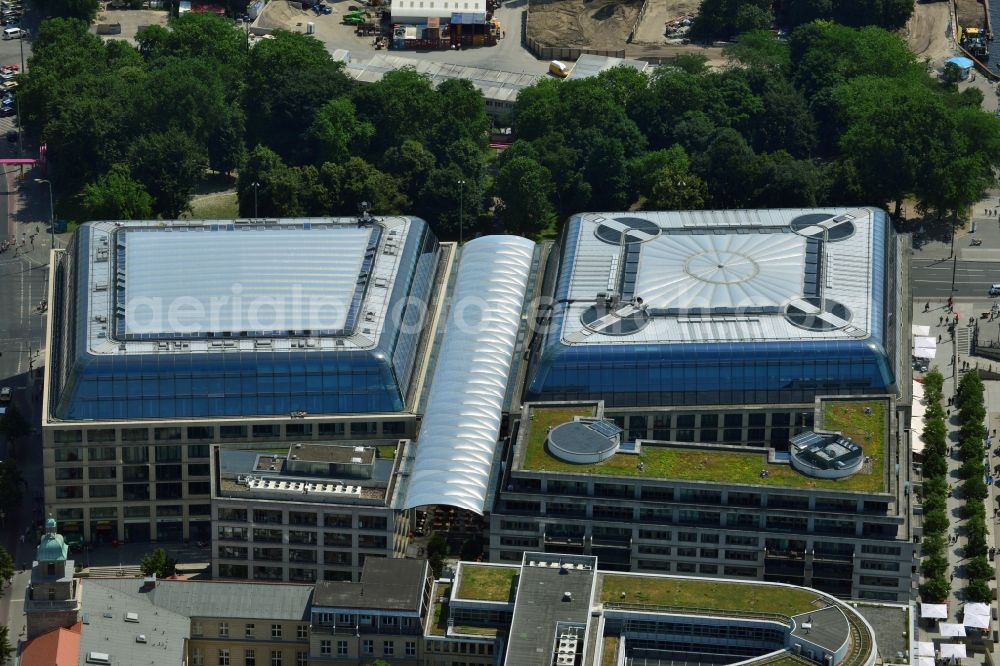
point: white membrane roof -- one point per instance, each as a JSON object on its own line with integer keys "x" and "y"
{"x": 268, "y": 279}
{"x": 721, "y": 271}
{"x": 457, "y": 440}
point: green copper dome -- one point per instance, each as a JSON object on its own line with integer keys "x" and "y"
{"x": 52, "y": 548}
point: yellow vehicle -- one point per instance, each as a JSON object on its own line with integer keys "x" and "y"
{"x": 558, "y": 69}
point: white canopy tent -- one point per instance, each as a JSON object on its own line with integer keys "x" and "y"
{"x": 953, "y": 650}
{"x": 934, "y": 611}
{"x": 924, "y": 347}
{"x": 917, "y": 329}
{"x": 949, "y": 630}
{"x": 924, "y": 649}
{"x": 925, "y": 661}
{"x": 976, "y": 615}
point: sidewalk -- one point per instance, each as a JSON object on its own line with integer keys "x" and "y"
{"x": 953, "y": 371}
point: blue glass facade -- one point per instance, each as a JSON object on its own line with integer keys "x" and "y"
{"x": 716, "y": 373}
{"x": 132, "y": 385}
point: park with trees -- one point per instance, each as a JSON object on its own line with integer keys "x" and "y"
{"x": 833, "y": 115}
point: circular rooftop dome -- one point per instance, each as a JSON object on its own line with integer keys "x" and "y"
{"x": 809, "y": 225}
{"x": 626, "y": 320}
{"x": 721, "y": 267}
{"x": 634, "y": 229}
{"x": 584, "y": 442}
{"x": 825, "y": 456}
{"x": 827, "y": 315}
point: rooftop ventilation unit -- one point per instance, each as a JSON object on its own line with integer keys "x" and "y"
{"x": 141, "y": 638}
{"x": 567, "y": 596}
{"x": 131, "y": 617}
{"x": 298, "y": 445}
{"x": 357, "y": 461}
{"x": 98, "y": 658}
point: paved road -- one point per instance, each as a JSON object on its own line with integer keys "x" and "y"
{"x": 931, "y": 278}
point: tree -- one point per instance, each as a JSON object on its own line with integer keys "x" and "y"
{"x": 728, "y": 168}
{"x": 6, "y": 649}
{"x": 85, "y": 10}
{"x": 526, "y": 188}
{"x": 13, "y": 425}
{"x": 11, "y": 483}
{"x": 979, "y": 568}
{"x": 338, "y": 133}
{"x": 978, "y": 591}
{"x": 934, "y": 565}
{"x": 437, "y": 550}
{"x": 6, "y": 567}
{"x": 157, "y": 563}
{"x": 935, "y": 590}
{"x": 116, "y": 196}
{"x": 169, "y": 165}
{"x": 936, "y": 522}
{"x": 289, "y": 78}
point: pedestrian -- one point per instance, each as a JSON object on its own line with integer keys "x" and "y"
{"x": 940, "y": 320}
{"x": 927, "y": 306}
{"x": 939, "y": 337}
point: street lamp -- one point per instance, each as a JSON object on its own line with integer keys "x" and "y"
{"x": 52, "y": 213}
{"x": 461, "y": 209}
{"x": 255, "y": 185}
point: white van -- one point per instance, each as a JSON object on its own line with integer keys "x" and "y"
{"x": 995, "y": 290}
{"x": 14, "y": 33}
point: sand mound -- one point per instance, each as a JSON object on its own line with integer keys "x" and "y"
{"x": 594, "y": 24}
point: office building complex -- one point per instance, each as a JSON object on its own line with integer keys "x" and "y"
{"x": 311, "y": 514}
{"x": 167, "y": 337}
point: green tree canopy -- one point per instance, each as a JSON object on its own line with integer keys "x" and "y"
{"x": 116, "y": 196}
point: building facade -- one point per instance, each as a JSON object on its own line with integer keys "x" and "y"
{"x": 312, "y": 514}
{"x": 152, "y": 363}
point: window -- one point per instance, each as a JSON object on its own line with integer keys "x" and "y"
{"x": 223, "y": 657}
{"x": 250, "y": 656}
{"x": 223, "y": 630}
{"x": 196, "y": 658}
{"x": 199, "y": 432}
{"x": 367, "y": 646}
{"x": 324, "y": 647}
{"x": 302, "y": 658}
{"x": 302, "y": 631}
{"x": 275, "y": 657}
{"x": 135, "y": 434}
{"x": 103, "y": 491}
{"x": 167, "y": 433}
{"x": 267, "y": 430}
{"x": 251, "y": 630}
{"x": 388, "y": 648}
{"x": 275, "y": 631}
{"x": 411, "y": 648}
{"x": 170, "y": 453}
{"x": 196, "y": 628}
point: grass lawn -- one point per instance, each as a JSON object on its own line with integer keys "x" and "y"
{"x": 487, "y": 583}
{"x": 689, "y": 464}
{"x": 706, "y": 594}
{"x": 536, "y": 457}
{"x": 610, "y": 648}
{"x": 220, "y": 206}
{"x": 439, "y": 619}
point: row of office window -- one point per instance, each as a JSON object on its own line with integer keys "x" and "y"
{"x": 223, "y": 432}
{"x": 227, "y": 657}
{"x": 341, "y": 648}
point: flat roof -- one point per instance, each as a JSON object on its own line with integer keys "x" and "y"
{"x": 202, "y": 598}
{"x": 495, "y": 84}
{"x": 588, "y": 65}
{"x": 826, "y": 627}
{"x": 541, "y": 604}
{"x": 487, "y": 583}
{"x": 386, "y": 583}
{"x": 255, "y": 275}
{"x": 718, "y": 463}
{"x": 334, "y": 452}
{"x": 717, "y": 276}
{"x": 701, "y": 594}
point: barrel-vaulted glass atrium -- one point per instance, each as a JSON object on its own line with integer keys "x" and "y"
{"x": 718, "y": 308}
{"x": 246, "y": 318}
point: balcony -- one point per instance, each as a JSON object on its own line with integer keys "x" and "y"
{"x": 564, "y": 539}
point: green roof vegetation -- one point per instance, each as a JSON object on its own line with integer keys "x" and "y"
{"x": 610, "y": 650}
{"x": 388, "y": 452}
{"x": 696, "y": 464}
{"x": 546, "y": 418}
{"x": 439, "y": 616}
{"x": 706, "y": 594}
{"x": 487, "y": 583}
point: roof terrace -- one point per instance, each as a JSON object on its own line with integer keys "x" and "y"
{"x": 707, "y": 595}
{"x": 862, "y": 421}
{"x": 487, "y": 583}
